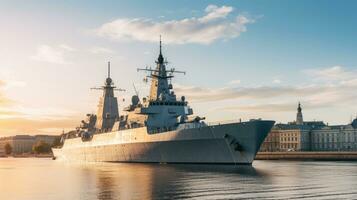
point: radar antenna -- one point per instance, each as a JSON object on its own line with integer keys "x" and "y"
{"x": 136, "y": 91}
{"x": 108, "y": 83}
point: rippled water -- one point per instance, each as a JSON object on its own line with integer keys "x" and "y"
{"x": 31, "y": 178}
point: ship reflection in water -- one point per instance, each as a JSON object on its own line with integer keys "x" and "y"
{"x": 47, "y": 179}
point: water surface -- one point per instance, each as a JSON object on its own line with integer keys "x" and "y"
{"x": 35, "y": 178}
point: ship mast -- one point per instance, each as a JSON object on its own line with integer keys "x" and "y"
{"x": 160, "y": 87}
{"x": 107, "y": 112}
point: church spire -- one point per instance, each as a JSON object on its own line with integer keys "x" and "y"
{"x": 299, "y": 118}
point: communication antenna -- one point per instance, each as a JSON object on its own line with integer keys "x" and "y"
{"x": 160, "y": 72}
{"x": 109, "y": 69}
{"x": 109, "y": 83}
{"x": 160, "y": 44}
{"x": 136, "y": 91}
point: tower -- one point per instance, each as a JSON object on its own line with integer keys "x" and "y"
{"x": 159, "y": 83}
{"x": 161, "y": 88}
{"x": 107, "y": 112}
{"x": 299, "y": 119}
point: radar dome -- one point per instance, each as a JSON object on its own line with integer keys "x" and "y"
{"x": 183, "y": 98}
{"x": 108, "y": 81}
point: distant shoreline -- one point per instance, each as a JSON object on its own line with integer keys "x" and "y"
{"x": 301, "y": 155}
{"x": 297, "y": 155}
{"x": 28, "y": 156}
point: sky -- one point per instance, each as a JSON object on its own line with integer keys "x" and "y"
{"x": 243, "y": 59}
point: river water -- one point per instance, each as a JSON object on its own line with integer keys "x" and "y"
{"x": 35, "y": 178}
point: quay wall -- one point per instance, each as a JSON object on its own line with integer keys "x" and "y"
{"x": 301, "y": 155}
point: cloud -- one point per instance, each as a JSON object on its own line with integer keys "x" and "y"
{"x": 214, "y": 25}
{"x": 36, "y": 113}
{"x": 5, "y": 85}
{"x": 277, "y": 81}
{"x": 272, "y": 108}
{"x": 23, "y": 119}
{"x": 200, "y": 94}
{"x": 101, "y": 50}
{"x": 320, "y": 94}
{"x": 18, "y": 119}
{"x": 4, "y": 101}
{"x": 67, "y": 48}
{"x": 215, "y": 12}
{"x": 52, "y": 54}
{"x": 13, "y": 126}
{"x": 334, "y": 73}
{"x": 13, "y": 84}
{"x": 234, "y": 82}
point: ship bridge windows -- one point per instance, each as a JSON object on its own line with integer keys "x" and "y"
{"x": 161, "y": 103}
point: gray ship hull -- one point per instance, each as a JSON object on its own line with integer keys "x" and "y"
{"x": 233, "y": 143}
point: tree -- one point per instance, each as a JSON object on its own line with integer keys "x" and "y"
{"x": 57, "y": 142}
{"x": 41, "y": 147}
{"x": 8, "y": 148}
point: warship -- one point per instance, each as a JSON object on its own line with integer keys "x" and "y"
{"x": 159, "y": 128}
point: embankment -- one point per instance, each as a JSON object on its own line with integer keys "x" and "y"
{"x": 303, "y": 155}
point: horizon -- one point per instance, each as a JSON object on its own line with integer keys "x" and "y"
{"x": 242, "y": 59}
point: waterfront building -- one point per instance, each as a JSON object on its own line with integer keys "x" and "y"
{"x": 19, "y": 143}
{"x": 311, "y": 136}
{"x": 23, "y": 143}
{"x": 294, "y": 137}
{"x": 335, "y": 138}
{"x": 287, "y": 137}
{"x": 272, "y": 141}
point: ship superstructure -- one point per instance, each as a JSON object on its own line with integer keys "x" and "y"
{"x": 159, "y": 128}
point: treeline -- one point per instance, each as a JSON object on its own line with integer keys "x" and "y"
{"x": 40, "y": 147}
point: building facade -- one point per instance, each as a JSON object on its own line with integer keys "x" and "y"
{"x": 287, "y": 137}
{"x": 272, "y": 141}
{"x": 23, "y": 143}
{"x": 19, "y": 143}
{"x": 294, "y": 139}
{"x": 311, "y": 136}
{"x": 334, "y": 138}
